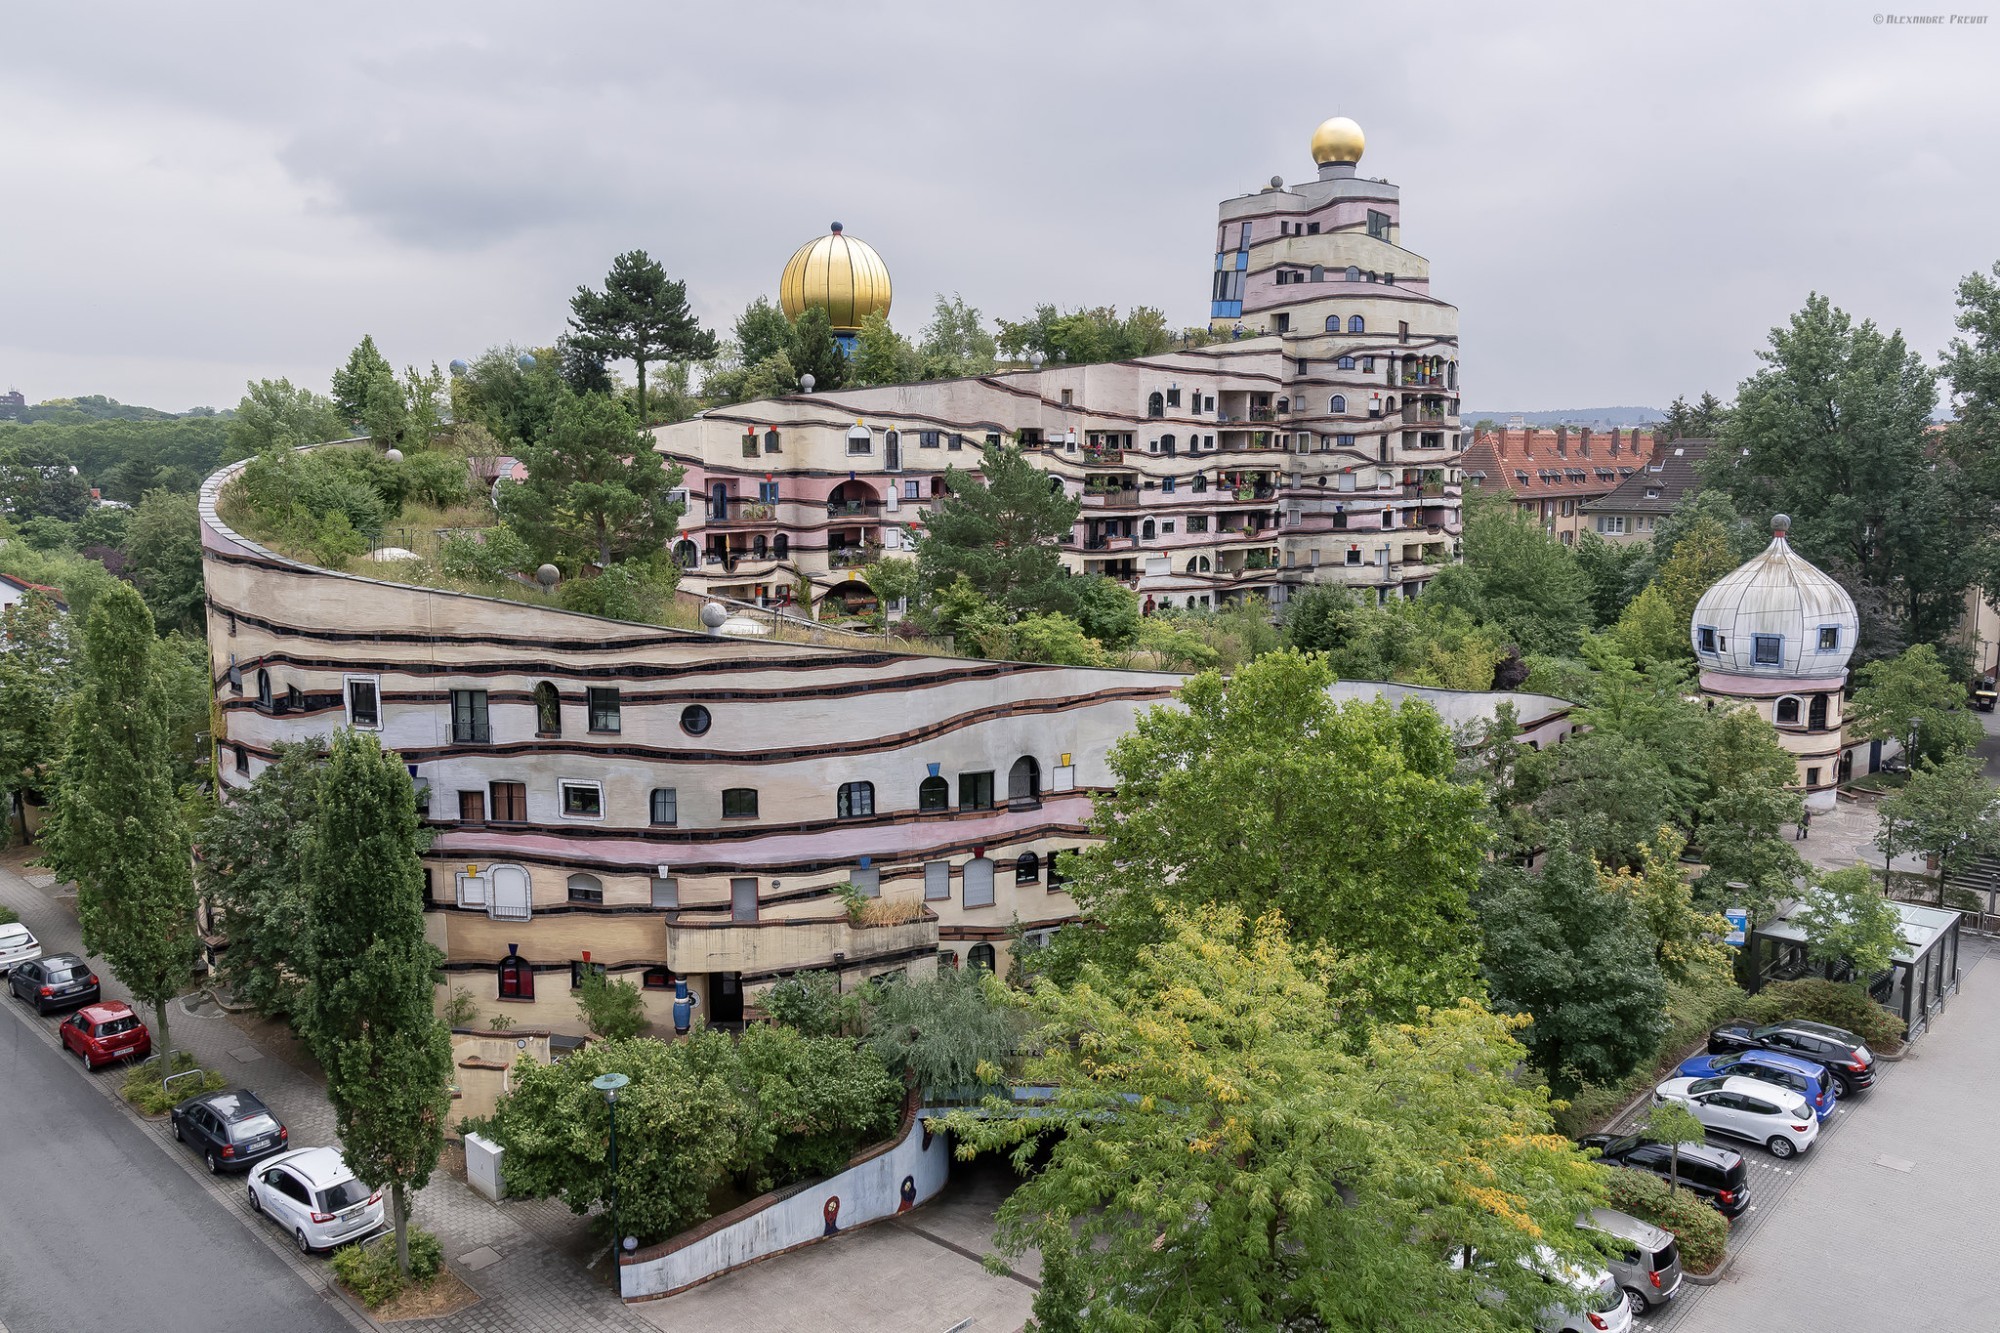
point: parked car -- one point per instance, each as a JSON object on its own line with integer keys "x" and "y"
{"x": 1746, "y": 1108}
{"x": 1647, "y": 1262}
{"x": 17, "y": 945}
{"x": 1592, "y": 1303}
{"x": 1811, "y": 1081}
{"x": 229, "y": 1129}
{"x": 102, "y": 1033}
{"x": 60, "y": 981}
{"x": 311, "y": 1193}
{"x": 1716, "y": 1174}
{"x": 1844, "y": 1054}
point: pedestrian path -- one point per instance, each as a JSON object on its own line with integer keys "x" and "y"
{"x": 534, "y": 1287}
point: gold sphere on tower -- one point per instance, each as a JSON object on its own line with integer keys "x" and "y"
{"x": 839, "y": 274}
{"x": 1338, "y": 140}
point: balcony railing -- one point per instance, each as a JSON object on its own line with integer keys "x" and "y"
{"x": 742, "y": 509}
{"x": 1102, "y": 453}
{"x": 851, "y": 557}
{"x": 870, "y": 507}
{"x": 1121, "y": 499}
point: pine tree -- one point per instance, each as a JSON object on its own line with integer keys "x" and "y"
{"x": 116, "y": 827}
{"x": 641, "y": 316}
{"x": 594, "y": 490}
{"x": 815, "y": 353}
{"x": 1000, "y": 528}
{"x": 369, "y": 989}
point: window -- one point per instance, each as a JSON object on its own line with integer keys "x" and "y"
{"x": 1148, "y": 530}
{"x": 1333, "y": 323}
{"x": 1812, "y": 777}
{"x": 1155, "y": 405}
{"x": 1345, "y": 362}
{"x": 743, "y": 899}
{"x": 586, "y": 889}
{"x": 1056, "y": 876}
{"x": 1402, "y": 327}
{"x": 694, "y": 720}
{"x": 1318, "y": 273}
{"x": 855, "y": 800}
{"x": 548, "y": 710}
{"x": 666, "y": 891}
{"x": 771, "y": 445}
{"x": 1368, "y": 364}
{"x": 739, "y": 802}
{"x": 364, "y": 706}
{"x": 912, "y": 490}
{"x": 1197, "y": 522}
{"x": 1167, "y": 486}
{"x": 656, "y": 978}
{"x": 517, "y": 979}
{"x": 781, "y": 546}
{"x": 242, "y": 759}
{"x": 509, "y": 802}
{"x": 1354, "y": 555}
{"x": 472, "y": 807}
{"x": 1704, "y": 636}
{"x": 977, "y": 882}
{"x": 1353, "y": 273}
{"x": 263, "y": 688}
{"x": 1173, "y": 397}
{"x": 937, "y": 880}
{"x": 927, "y": 439}
{"x": 859, "y": 441}
{"x": 767, "y": 492}
{"x": 1829, "y": 638}
{"x": 933, "y": 793}
{"x": 1337, "y": 404}
{"x": 1355, "y": 324}
{"x": 604, "y": 708}
{"x": 975, "y": 791}
{"x": 468, "y": 717}
{"x": 1069, "y": 397}
{"x": 979, "y": 958}
{"x": 1378, "y": 224}
{"x": 957, "y": 441}
{"x": 666, "y": 805}
{"x": 295, "y": 699}
{"x": 867, "y": 880}
{"x": 235, "y": 675}
{"x": 1788, "y": 711}
{"x": 581, "y": 800}
{"x": 1767, "y": 649}
{"x": 1283, "y": 324}
{"x": 577, "y": 969}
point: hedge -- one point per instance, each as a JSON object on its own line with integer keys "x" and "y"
{"x": 1845, "y": 1005}
{"x": 1702, "y": 1232}
{"x": 369, "y": 1270}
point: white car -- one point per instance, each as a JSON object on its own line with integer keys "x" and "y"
{"x": 311, "y": 1193}
{"x": 17, "y": 945}
{"x": 1594, "y": 1303}
{"x": 1746, "y": 1108}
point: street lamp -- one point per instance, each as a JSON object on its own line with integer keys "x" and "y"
{"x": 1916, "y": 725}
{"x": 609, "y": 1084}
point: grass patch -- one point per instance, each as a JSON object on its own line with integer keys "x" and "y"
{"x": 1883, "y": 781}
{"x": 142, "y": 1085}
{"x": 369, "y": 1270}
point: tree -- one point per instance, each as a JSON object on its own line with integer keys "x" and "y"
{"x": 762, "y": 330}
{"x": 36, "y": 481}
{"x": 1081, "y": 337}
{"x": 1747, "y": 778}
{"x": 1107, "y": 610}
{"x": 1606, "y": 791}
{"x": 1651, "y": 630}
{"x": 369, "y": 1013}
{"x": 1578, "y": 961}
{"x": 1673, "y": 1124}
{"x": 955, "y": 343}
{"x": 37, "y": 677}
{"x": 1519, "y": 578}
{"x": 1946, "y": 811}
{"x": 116, "y": 825}
{"x": 1000, "y": 528}
{"x": 1846, "y": 920}
{"x": 274, "y": 415}
{"x": 163, "y": 543}
{"x": 808, "y": 1103}
{"x": 949, "y": 1033}
{"x": 814, "y": 352}
{"x": 1702, "y": 554}
{"x": 1914, "y": 692}
{"x": 613, "y": 1010}
{"x": 1261, "y": 793}
{"x": 252, "y": 869}
{"x": 1609, "y": 568}
{"x": 1687, "y": 942}
{"x": 773, "y": 377}
{"x": 882, "y": 355}
{"x": 812, "y": 1003}
{"x": 641, "y": 316}
{"x": 1214, "y": 1154}
{"x": 354, "y": 384}
{"x": 1972, "y": 365}
{"x": 595, "y": 489}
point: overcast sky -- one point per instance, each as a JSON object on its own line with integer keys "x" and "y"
{"x": 1621, "y": 199}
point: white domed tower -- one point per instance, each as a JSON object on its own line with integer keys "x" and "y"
{"x": 1775, "y": 635}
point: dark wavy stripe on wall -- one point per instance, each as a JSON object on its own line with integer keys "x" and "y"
{"x": 1002, "y": 932}
{"x": 462, "y": 965}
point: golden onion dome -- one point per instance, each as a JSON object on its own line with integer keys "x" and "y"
{"x": 841, "y": 275}
{"x": 1338, "y": 140}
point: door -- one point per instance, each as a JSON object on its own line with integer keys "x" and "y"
{"x": 892, "y": 457}
{"x": 1756, "y": 1117}
{"x": 718, "y": 503}
{"x": 1874, "y": 756}
{"x": 725, "y": 998}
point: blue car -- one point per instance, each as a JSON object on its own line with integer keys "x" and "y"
{"x": 1811, "y": 1081}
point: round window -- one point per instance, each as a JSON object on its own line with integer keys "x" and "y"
{"x": 694, "y": 719}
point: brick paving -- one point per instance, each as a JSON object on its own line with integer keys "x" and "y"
{"x": 535, "y": 1287}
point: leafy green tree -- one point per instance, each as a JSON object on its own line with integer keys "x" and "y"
{"x": 37, "y": 678}
{"x": 641, "y": 316}
{"x": 180, "y": 668}
{"x": 595, "y": 489}
{"x": 762, "y": 330}
{"x": 1747, "y": 778}
{"x": 1577, "y": 960}
{"x": 274, "y": 415}
{"x": 1847, "y": 920}
{"x": 1107, "y": 610}
{"x": 1701, "y": 420}
{"x": 1169, "y": 636}
{"x": 1702, "y": 555}
{"x": 1972, "y": 365}
{"x": 812, "y": 1003}
{"x": 814, "y": 352}
{"x": 808, "y": 1104}
{"x": 1694, "y": 511}
{"x": 1084, "y": 336}
{"x": 1000, "y": 528}
{"x": 955, "y": 343}
{"x": 1914, "y": 690}
{"x": 252, "y": 869}
{"x": 355, "y": 383}
{"x": 948, "y": 1032}
{"x": 882, "y": 355}
{"x": 1610, "y": 569}
{"x": 773, "y": 377}
{"x": 511, "y": 401}
{"x": 1217, "y": 1154}
{"x": 1947, "y": 811}
{"x": 1687, "y": 942}
{"x": 1047, "y": 636}
{"x": 369, "y": 1012}
{"x": 893, "y": 578}
{"x": 163, "y": 544}
{"x": 1261, "y": 793}
{"x": 1606, "y": 791}
{"x": 36, "y": 481}
{"x": 1651, "y": 630}
{"x": 116, "y": 825}
{"x": 610, "y": 1008}
{"x": 1673, "y": 1124}
{"x": 1519, "y": 578}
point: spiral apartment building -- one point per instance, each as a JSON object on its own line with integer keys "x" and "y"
{"x": 1318, "y": 441}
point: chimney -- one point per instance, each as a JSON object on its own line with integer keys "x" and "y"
{"x": 1583, "y": 447}
{"x": 1614, "y": 441}
{"x": 1562, "y": 440}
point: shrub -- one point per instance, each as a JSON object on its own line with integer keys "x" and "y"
{"x": 1702, "y": 1233}
{"x": 8, "y": 916}
{"x": 436, "y": 479}
{"x": 1843, "y": 1005}
{"x": 944, "y": 1031}
{"x": 812, "y": 1003}
{"x": 486, "y": 557}
{"x": 611, "y": 1009}
{"x": 369, "y": 1270}
{"x": 461, "y": 1008}
{"x": 142, "y": 1085}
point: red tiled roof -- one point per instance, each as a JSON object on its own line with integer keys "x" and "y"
{"x": 1558, "y": 461}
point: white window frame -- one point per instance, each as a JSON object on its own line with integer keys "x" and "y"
{"x": 474, "y": 890}
{"x": 941, "y": 871}
{"x": 976, "y": 883}
{"x": 347, "y": 701}
{"x": 562, "y": 803}
{"x": 867, "y": 879}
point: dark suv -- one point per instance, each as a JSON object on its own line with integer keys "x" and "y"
{"x": 229, "y": 1129}
{"x": 1716, "y": 1174}
{"x": 1844, "y": 1055}
{"x": 63, "y": 981}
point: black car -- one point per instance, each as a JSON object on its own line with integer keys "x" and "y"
{"x": 62, "y": 981}
{"x": 1716, "y": 1174}
{"x": 229, "y": 1129}
{"x": 1845, "y": 1056}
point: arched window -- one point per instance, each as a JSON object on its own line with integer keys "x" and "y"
{"x": 586, "y": 889}
{"x": 1319, "y": 273}
{"x": 781, "y": 546}
{"x": 686, "y": 554}
{"x": 1024, "y": 779}
{"x": 1354, "y": 273}
{"x": 856, "y": 800}
{"x": 1200, "y": 482}
{"x": 976, "y": 883}
{"x": 1333, "y": 323}
{"x": 1205, "y": 566}
{"x": 1191, "y": 602}
{"x": 263, "y": 688}
{"x": 758, "y": 547}
{"x": 1788, "y": 711}
{"x": 1194, "y": 563}
{"x": 1146, "y": 530}
{"x": 1055, "y": 485}
{"x": 1028, "y": 869}
{"x": 771, "y": 442}
{"x": 934, "y": 793}
{"x": 548, "y": 710}
{"x": 893, "y": 440}
{"x": 979, "y": 958}
{"x": 1156, "y": 405}
{"x": 1284, "y": 405}
{"x": 1355, "y": 324}
{"x": 517, "y": 979}
{"x": 1166, "y": 444}
{"x": 1816, "y": 715}
{"x": 1345, "y": 363}
{"x": 1337, "y": 404}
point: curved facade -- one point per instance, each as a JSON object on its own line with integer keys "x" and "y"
{"x": 672, "y": 806}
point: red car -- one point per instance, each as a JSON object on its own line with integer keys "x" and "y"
{"x": 101, "y": 1033}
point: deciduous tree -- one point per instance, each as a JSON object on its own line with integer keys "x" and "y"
{"x": 37, "y": 678}
{"x": 1687, "y": 942}
{"x": 1847, "y": 920}
{"x": 253, "y": 869}
{"x": 274, "y": 415}
{"x": 163, "y": 543}
{"x": 356, "y": 382}
{"x": 1518, "y": 578}
{"x": 882, "y": 355}
{"x": 1946, "y": 811}
{"x": 955, "y": 343}
{"x": 1914, "y": 690}
{"x": 641, "y": 316}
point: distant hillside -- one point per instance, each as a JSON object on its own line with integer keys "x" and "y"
{"x": 96, "y": 407}
{"x": 1574, "y": 416}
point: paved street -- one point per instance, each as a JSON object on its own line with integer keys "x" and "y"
{"x": 104, "y": 1231}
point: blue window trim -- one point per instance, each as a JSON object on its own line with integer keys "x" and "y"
{"x": 1705, "y": 634}
{"x": 1756, "y": 640}
{"x": 1822, "y": 647}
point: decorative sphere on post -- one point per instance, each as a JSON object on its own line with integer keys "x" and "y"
{"x": 393, "y": 455}
{"x": 525, "y": 361}
{"x": 713, "y": 614}
{"x": 806, "y": 382}
{"x": 459, "y": 367}
{"x": 547, "y": 576}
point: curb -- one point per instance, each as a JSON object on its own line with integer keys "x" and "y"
{"x": 1712, "y": 1279}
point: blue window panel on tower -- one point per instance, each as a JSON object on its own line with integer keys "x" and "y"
{"x": 1225, "y": 260}
{"x": 1242, "y": 259}
{"x": 1225, "y": 309}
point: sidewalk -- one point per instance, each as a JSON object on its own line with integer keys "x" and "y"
{"x": 531, "y": 1285}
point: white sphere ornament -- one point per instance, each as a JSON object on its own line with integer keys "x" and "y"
{"x": 806, "y": 382}
{"x": 547, "y": 576}
{"x": 393, "y": 455}
{"x": 713, "y": 614}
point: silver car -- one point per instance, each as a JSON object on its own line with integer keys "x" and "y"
{"x": 1644, "y": 1261}
{"x": 311, "y": 1193}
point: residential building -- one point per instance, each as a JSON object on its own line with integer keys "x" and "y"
{"x": 13, "y": 405}
{"x": 1321, "y": 445}
{"x": 13, "y": 589}
{"x": 1550, "y": 474}
{"x": 1635, "y": 507}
